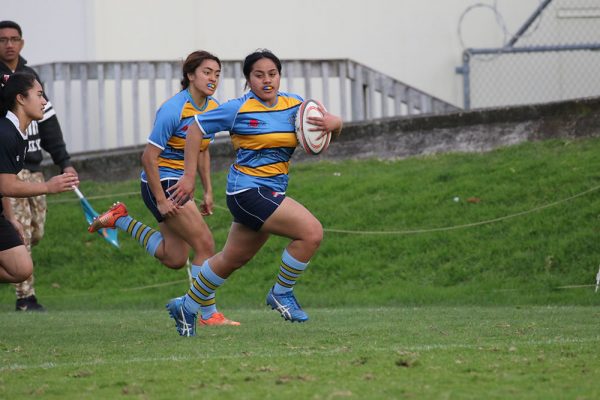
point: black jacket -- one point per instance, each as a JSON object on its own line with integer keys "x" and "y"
{"x": 45, "y": 134}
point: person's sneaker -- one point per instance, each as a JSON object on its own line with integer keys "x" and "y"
{"x": 287, "y": 305}
{"x": 109, "y": 218}
{"x": 184, "y": 321}
{"x": 29, "y": 304}
{"x": 217, "y": 319}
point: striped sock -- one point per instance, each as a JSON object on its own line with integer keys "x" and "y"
{"x": 147, "y": 237}
{"x": 201, "y": 295}
{"x": 289, "y": 272}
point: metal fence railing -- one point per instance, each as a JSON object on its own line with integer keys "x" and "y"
{"x": 553, "y": 56}
{"x": 107, "y": 105}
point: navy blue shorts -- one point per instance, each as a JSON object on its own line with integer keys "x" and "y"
{"x": 150, "y": 200}
{"x": 9, "y": 237}
{"x": 252, "y": 207}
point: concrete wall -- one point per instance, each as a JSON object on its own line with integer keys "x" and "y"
{"x": 393, "y": 138}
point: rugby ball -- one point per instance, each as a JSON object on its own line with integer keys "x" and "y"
{"x": 311, "y": 141}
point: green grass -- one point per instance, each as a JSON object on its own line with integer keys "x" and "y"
{"x": 424, "y": 298}
{"x": 375, "y": 353}
{"x": 523, "y": 259}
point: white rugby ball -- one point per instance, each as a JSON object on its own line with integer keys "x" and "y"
{"x": 311, "y": 141}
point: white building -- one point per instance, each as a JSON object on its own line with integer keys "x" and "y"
{"x": 414, "y": 41}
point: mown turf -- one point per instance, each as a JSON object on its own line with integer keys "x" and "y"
{"x": 362, "y": 353}
{"x": 411, "y": 295}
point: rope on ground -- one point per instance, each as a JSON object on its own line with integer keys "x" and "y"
{"x": 391, "y": 232}
{"x": 575, "y": 286}
{"x": 470, "y": 225}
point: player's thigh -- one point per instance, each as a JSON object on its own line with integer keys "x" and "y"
{"x": 293, "y": 220}
{"x": 190, "y": 226}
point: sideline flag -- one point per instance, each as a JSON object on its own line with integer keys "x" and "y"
{"x": 109, "y": 234}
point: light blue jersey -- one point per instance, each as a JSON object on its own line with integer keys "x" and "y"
{"x": 170, "y": 129}
{"x": 263, "y": 137}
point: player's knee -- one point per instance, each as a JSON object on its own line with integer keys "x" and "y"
{"x": 314, "y": 235}
{"x": 204, "y": 246}
{"x": 175, "y": 262}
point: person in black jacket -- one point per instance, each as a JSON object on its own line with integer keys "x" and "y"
{"x": 21, "y": 102}
{"x": 45, "y": 135}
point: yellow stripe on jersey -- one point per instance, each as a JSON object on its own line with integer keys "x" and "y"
{"x": 264, "y": 141}
{"x": 179, "y": 143}
{"x": 189, "y": 110}
{"x": 283, "y": 103}
{"x": 176, "y": 142}
{"x": 165, "y": 162}
{"x": 265, "y": 170}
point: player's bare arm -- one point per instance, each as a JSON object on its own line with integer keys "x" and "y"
{"x": 150, "y": 164}
{"x": 184, "y": 188}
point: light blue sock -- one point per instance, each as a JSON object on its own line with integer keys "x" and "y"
{"x": 289, "y": 272}
{"x": 195, "y": 270}
{"x": 201, "y": 296}
{"x": 147, "y": 237}
{"x": 123, "y": 222}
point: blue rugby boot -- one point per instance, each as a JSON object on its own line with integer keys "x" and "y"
{"x": 184, "y": 321}
{"x": 287, "y": 305}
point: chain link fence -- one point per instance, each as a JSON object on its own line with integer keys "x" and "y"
{"x": 553, "y": 56}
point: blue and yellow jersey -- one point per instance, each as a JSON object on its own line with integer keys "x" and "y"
{"x": 263, "y": 137}
{"x": 170, "y": 126}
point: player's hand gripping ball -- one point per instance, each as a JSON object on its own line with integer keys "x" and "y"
{"x": 313, "y": 142}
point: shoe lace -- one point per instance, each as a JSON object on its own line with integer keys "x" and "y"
{"x": 288, "y": 302}
{"x": 185, "y": 327}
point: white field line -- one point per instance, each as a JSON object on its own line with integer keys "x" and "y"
{"x": 295, "y": 353}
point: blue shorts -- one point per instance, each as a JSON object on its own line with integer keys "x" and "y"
{"x": 252, "y": 207}
{"x": 150, "y": 200}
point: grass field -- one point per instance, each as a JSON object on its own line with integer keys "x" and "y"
{"x": 411, "y": 295}
{"x": 374, "y": 353}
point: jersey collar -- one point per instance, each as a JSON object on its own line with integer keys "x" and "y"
{"x": 15, "y": 120}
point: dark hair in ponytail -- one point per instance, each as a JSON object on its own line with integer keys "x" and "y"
{"x": 11, "y": 86}
{"x": 192, "y": 62}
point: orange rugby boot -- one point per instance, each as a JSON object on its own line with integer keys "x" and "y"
{"x": 108, "y": 219}
{"x": 217, "y": 319}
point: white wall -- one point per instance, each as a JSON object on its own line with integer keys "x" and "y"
{"x": 415, "y": 41}
{"x": 54, "y": 30}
